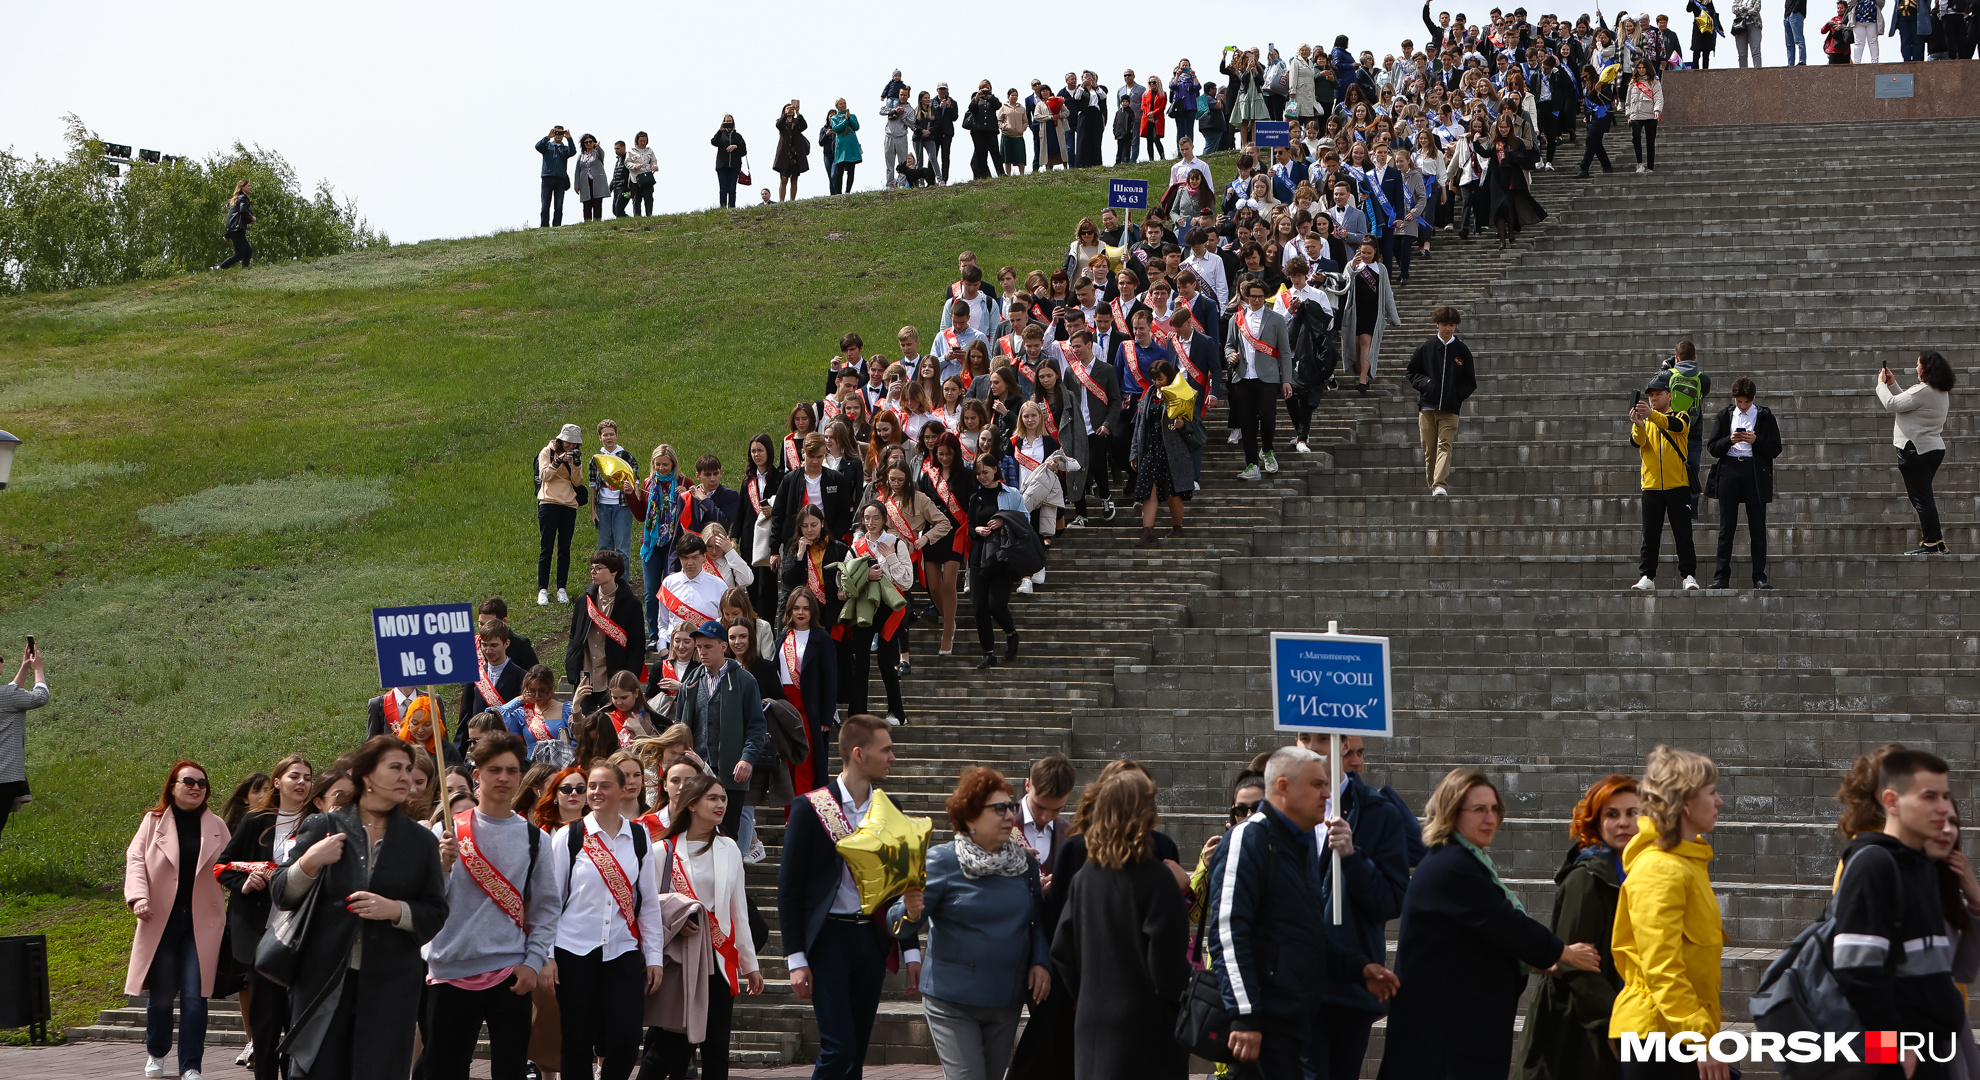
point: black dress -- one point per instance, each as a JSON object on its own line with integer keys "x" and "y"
{"x": 1152, "y": 475}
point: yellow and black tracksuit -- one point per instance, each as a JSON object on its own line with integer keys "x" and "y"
{"x": 1662, "y": 439}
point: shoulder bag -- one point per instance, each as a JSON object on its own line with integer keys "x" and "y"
{"x": 279, "y": 957}
{"x": 1201, "y": 1022}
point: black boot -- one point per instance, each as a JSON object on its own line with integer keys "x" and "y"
{"x": 1011, "y": 646}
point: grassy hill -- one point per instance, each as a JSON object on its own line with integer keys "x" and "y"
{"x": 222, "y": 474}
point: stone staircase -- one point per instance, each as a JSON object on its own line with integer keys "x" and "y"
{"x": 1517, "y": 645}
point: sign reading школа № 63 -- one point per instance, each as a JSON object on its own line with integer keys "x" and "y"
{"x": 1331, "y": 683}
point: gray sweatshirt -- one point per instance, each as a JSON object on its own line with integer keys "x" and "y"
{"x": 479, "y": 937}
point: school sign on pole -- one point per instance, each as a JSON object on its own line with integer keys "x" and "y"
{"x": 1127, "y": 194}
{"x": 1334, "y": 684}
{"x": 424, "y": 646}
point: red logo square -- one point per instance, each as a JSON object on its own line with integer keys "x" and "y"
{"x": 1880, "y": 1047}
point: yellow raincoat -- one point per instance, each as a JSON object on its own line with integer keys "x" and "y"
{"x": 1667, "y": 939}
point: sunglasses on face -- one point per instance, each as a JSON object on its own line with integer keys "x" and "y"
{"x": 567, "y": 789}
{"x": 193, "y": 781}
{"x": 1002, "y": 808}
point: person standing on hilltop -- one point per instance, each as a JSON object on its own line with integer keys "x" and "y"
{"x": 557, "y": 150}
{"x": 16, "y": 698}
{"x": 729, "y": 150}
{"x": 240, "y": 214}
{"x": 793, "y": 151}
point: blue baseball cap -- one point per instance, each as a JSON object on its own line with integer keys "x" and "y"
{"x": 710, "y": 629}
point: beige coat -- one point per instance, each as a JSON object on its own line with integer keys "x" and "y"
{"x": 152, "y": 865}
{"x": 559, "y": 484}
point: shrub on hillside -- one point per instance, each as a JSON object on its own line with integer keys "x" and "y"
{"x": 66, "y": 223}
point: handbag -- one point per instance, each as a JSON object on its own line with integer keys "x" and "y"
{"x": 279, "y": 956}
{"x": 1193, "y": 435}
{"x": 760, "y": 549}
{"x": 742, "y": 176}
{"x": 1201, "y": 1022}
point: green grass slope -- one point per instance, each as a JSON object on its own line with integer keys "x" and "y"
{"x": 222, "y": 473}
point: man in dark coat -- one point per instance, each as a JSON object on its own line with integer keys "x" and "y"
{"x": 522, "y": 652}
{"x": 837, "y": 956}
{"x": 1266, "y": 887}
{"x": 1746, "y": 440}
{"x": 605, "y": 631}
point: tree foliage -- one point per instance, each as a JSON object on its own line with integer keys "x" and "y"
{"x": 67, "y": 223}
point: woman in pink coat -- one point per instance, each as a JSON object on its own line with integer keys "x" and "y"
{"x": 181, "y": 912}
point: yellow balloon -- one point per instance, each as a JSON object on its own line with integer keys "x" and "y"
{"x": 613, "y": 468}
{"x": 887, "y": 854}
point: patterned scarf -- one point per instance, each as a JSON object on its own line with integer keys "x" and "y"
{"x": 1010, "y": 860}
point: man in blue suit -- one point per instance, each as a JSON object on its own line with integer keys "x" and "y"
{"x": 837, "y": 955}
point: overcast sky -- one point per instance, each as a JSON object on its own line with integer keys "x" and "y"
{"x": 426, "y": 113}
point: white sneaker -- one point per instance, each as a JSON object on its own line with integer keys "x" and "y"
{"x": 191, "y": 1074}
{"x": 1038, "y": 578}
{"x": 756, "y": 853}
{"x": 1645, "y": 584}
{"x": 563, "y": 597}
{"x": 1300, "y": 445}
{"x": 1439, "y": 490}
{"x": 1639, "y": 168}
{"x": 1271, "y": 463}
{"x": 1236, "y": 437}
{"x": 542, "y": 597}
{"x": 893, "y": 721}
{"x": 1025, "y": 586}
{"x": 247, "y": 1056}
{"x": 153, "y": 1068}
{"x": 1250, "y": 473}
{"x": 1690, "y": 582}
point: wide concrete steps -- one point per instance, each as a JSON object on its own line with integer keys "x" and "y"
{"x": 1613, "y": 568}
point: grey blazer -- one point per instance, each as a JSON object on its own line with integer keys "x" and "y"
{"x": 1271, "y": 330}
{"x": 1921, "y": 416}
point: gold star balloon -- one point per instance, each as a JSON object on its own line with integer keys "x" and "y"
{"x": 613, "y": 469}
{"x": 887, "y": 854}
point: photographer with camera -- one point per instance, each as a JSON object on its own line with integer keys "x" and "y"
{"x": 560, "y": 491}
{"x": 16, "y": 698}
{"x": 557, "y": 150}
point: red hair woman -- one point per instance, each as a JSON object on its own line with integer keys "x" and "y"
{"x": 181, "y": 913}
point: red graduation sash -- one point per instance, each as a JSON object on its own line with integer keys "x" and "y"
{"x": 793, "y": 667}
{"x": 1087, "y": 380}
{"x": 897, "y": 517}
{"x": 242, "y": 867}
{"x": 1024, "y": 369}
{"x": 1031, "y": 464}
{"x": 613, "y": 875}
{"x": 941, "y": 485}
{"x": 669, "y": 671}
{"x": 681, "y": 608}
{"x": 862, "y": 546}
{"x": 1120, "y": 313}
{"x": 1051, "y": 422}
{"x": 485, "y": 875}
{"x": 825, "y": 802}
{"x": 725, "y": 944}
{"x": 950, "y": 337}
{"x": 755, "y": 489}
{"x": 654, "y": 828}
{"x": 485, "y": 686}
{"x": 1182, "y": 357}
{"x": 969, "y": 456}
{"x": 1004, "y": 343}
{"x": 539, "y": 729}
{"x": 1256, "y": 345}
{"x": 391, "y": 709}
{"x": 600, "y": 620}
{"x": 830, "y": 407}
{"x": 619, "y": 724}
{"x": 792, "y": 457}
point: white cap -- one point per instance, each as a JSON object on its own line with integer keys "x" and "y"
{"x": 572, "y": 434}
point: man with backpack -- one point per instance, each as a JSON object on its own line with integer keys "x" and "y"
{"x": 1890, "y": 950}
{"x": 1266, "y": 884}
{"x": 1690, "y": 386}
{"x": 1660, "y": 432}
{"x": 502, "y": 908}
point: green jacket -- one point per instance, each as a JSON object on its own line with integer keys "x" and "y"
{"x": 865, "y": 599}
{"x": 1566, "y": 1036}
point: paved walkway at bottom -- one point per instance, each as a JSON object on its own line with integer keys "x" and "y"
{"x": 111, "y": 1061}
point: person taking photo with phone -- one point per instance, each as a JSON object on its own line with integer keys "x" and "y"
{"x": 16, "y": 698}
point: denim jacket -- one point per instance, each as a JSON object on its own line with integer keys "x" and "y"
{"x": 556, "y": 156}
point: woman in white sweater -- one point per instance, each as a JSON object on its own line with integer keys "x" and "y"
{"x": 700, "y": 865}
{"x": 1920, "y": 440}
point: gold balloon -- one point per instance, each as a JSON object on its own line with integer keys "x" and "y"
{"x": 613, "y": 468}
{"x": 888, "y": 853}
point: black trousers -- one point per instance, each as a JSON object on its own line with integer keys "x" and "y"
{"x": 600, "y": 1005}
{"x": 1550, "y": 132}
{"x": 1278, "y": 1058}
{"x": 1299, "y": 409}
{"x": 554, "y": 525}
{"x": 267, "y": 1021}
{"x": 860, "y": 669}
{"x": 243, "y": 254}
{"x": 842, "y": 177}
{"x": 333, "y": 1061}
{"x": 1674, "y": 503}
{"x": 990, "y": 597}
{"x": 762, "y": 594}
{"x": 1643, "y": 139}
{"x": 1099, "y": 448}
{"x": 1255, "y": 404}
{"x": 1739, "y": 484}
{"x": 984, "y": 144}
{"x": 847, "y": 968}
{"x": 1475, "y": 202}
{"x": 668, "y": 1053}
{"x": 1597, "y": 128}
{"x": 725, "y": 187}
{"x": 642, "y": 206}
{"x": 9, "y": 792}
{"x": 942, "y": 148}
{"x": 1336, "y": 1042}
{"x": 453, "y": 1024}
{"x": 1918, "y": 470}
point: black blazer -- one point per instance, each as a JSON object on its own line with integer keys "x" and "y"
{"x": 794, "y": 575}
{"x": 745, "y": 524}
{"x": 1766, "y": 447}
{"x": 389, "y": 984}
{"x": 247, "y": 912}
{"x": 626, "y": 612}
{"x": 521, "y": 652}
{"x": 836, "y": 495}
{"x": 808, "y": 878}
{"x": 508, "y": 683}
{"x": 723, "y": 506}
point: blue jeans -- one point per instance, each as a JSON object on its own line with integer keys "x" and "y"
{"x": 615, "y": 530}
{"x": 1797, "y": 42}
{"x": 1185, "y": 128}
{"x": 175, "y": 972}
{"x": 746, "y": 835}
{"x": 553, "y": 195}
{"x": 655, "y": 571}
{"x": 725, "y": 187}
